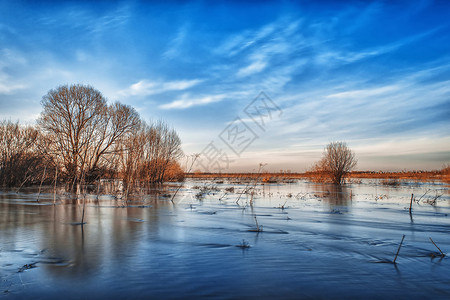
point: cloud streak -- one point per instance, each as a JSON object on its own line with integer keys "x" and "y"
{"x": 188, "y": 101}
{"x": 146, "y": 87}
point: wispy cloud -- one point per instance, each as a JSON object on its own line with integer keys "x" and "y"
{"x": 254, "y": 67}
{"x": 77, "y": 17}
{"x": 10, "y": 60}
{"x": 239, "y": 42}
{"x": 349, "y": 55}
{"x": 9, "y": 57}
{"x": 363, "y": 93}
{"x": 175, "y": 45}
{"x": 7, "y": 88}
{"x": 147, "y": 87}
{"x": 396, "y": 107}
{"x": 260, "y": 51}
{"x": 187, "y": 101}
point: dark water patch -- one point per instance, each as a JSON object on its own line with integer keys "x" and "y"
{"x": 212, "y": 245}
{"x": 205, "y": 228}
{"x": 27, "y": 267}
{"x": 268, "y": 231}
{"x": 31, "y": 203}
{"x": 136, "y": 220}
{"x": 207, "y": 212}
{"x": 78, "y": 223}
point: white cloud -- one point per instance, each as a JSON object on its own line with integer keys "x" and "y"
{"x": 186, "y": 101}
{"x": 10, "y": 57}
{"x": 337, "y": 56}
{"x": 77, "y": 17}
{"x": 364, "y": 92}
{"x": 10, "y": 88}
{"x": 175, "y": 45}
{"x": 403, "y": 146}
{"x": 7, "y": 86}
{"x": 146, "y": 87}
{"x": 254, "y": 67}
{"x": 239, "y": 42}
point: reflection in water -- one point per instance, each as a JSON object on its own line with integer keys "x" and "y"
{"x": 145, "y": 246}
{"x": 335, "y": 195}
{"x": 112, "y": 229}
{"x": 109, "y": 235}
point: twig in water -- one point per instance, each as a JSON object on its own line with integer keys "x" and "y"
{"x": 259, "y": 228}
{"x": 196, "y": 155}
{"x": 98, "y": 186}
{"x": 423, "y": 195}
{"x": 398, "y": 250}
{"x": 54, "y": 188}
{"x": 261, "y": 165}
{"x": 244, "y": 245}
{"x": 84, "y": 201}
{"x": 433, "y": 201}
{"x": 442, "y": 253}
{"x": 40, "y": 186}
{"x": 223, "y": 196}
{"x": 410, "y": 203}
{"x": 243, "y": 191}
{"x": 23, "y": 182}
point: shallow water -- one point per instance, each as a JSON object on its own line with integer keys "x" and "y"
{"x": 316, "y": 242}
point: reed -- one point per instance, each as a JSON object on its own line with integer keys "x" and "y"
{"x": 398, "y": 250}
{"x": 244, "y": 244}
{"x": 196, "y": 155}
{"x": 442, "y": 253}
{"x": 410, "y": 203}
{"x": 259, "y": 228}
{"x": 54, "y": 187}
{"x": 40, "y": 186}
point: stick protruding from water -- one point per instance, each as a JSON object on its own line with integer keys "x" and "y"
{"x": 398, "y": 250}
{"x": 442, "y": 253}
{"x": 410, "y": 203}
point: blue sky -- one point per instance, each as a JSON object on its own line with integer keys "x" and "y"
{"x": 374, "y": 74}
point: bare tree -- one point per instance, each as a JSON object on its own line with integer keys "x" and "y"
{"x": 129, "y": 155}
{"x": 83, "y": 128}
{"x": 148, "y": 153}
{"x": 71, "y": 115}
{"x": 164, "y": 146}
{"x": 119, "y": 121}
{"x": 21, "y": 160}
{"x": 81, "y": 135}
{"x": 338, "y": 160}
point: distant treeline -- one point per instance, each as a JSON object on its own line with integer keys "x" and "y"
{"x": 322, "y": 176}
{"x": 80, "y": 138}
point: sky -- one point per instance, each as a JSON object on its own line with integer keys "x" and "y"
{"x": 248, "y": 82}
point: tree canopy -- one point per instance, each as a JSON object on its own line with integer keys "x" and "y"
{"x": 86, "y": 138}
{"x": 337, "y": 161}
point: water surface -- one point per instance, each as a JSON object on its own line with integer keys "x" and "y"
{"x": 316, "y": 241}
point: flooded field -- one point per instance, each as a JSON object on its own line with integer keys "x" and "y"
{"x": 294, "y": 240}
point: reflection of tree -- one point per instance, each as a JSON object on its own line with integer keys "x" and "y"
{"x": 110, "y": 234}
{"x": 71, "y": 251}
{"x": 335, "y": 194}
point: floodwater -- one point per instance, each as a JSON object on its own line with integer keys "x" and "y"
{"x": 313, "y": 241}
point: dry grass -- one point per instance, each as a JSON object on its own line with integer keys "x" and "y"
{"x": 393, "y": 177}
